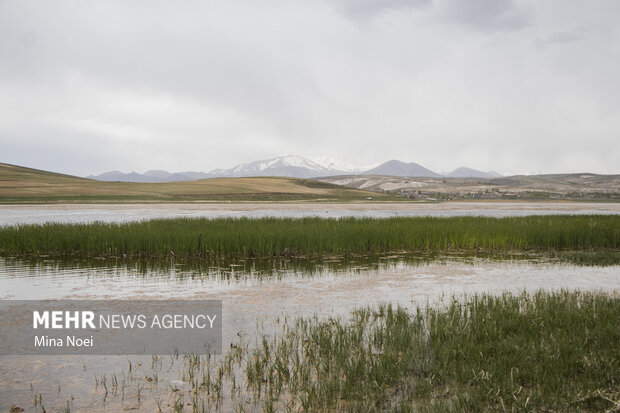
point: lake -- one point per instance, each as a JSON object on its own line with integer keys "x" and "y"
{"x": 67, "y": 213}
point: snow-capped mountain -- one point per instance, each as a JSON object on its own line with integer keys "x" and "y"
{"x": 296, "y": 166}
{"x": 333, "y": 164}
{"x": 287, "y": 165}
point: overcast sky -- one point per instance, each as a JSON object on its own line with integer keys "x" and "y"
{"x": 514, "y": 86}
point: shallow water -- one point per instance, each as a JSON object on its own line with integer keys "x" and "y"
{"x": 73, "y": 213}
{"x": 249, "y": 300}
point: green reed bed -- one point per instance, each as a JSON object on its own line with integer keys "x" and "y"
{"x": 192, "y": 237}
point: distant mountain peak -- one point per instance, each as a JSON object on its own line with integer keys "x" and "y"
{"x": 148, "y": 176}
{"x": 395, "y": 167}
{"x": 296, "y": 166}
{"x": 464, "y": 172}
{"x": 331, "y": 163}
{"x": 285, "y": 165}
{"x": 157, "y": 173}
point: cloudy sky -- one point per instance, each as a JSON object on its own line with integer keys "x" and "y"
{"x": 514, "y": 86}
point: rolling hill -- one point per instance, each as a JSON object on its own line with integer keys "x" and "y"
{"x": 580, "y": 186}
{"x": 26, "y": 185}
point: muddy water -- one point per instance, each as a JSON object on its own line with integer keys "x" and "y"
{"x": 36, "y": 214}
{"x": 249, "y": 300}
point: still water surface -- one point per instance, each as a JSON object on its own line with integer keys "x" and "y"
{"x": 37, "y": 214}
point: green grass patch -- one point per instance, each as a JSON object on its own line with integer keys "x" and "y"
{"x": 589, "y": 257}
{"x": 544, "y": 351}
{"x": 598, "y": 236}
{"x": 540, "y": 352}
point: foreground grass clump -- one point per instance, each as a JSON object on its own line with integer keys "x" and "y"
{"x": 530, "y": 352}
{"x": 191, "y": 237}
{"x": 554, "y": 351}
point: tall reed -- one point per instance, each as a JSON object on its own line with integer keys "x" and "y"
{"x": 244, "y": 237}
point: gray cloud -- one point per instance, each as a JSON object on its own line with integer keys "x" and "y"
{"x": 365, "y": 9}
{"x": 92, "y": 86}
{"x": 491, "y": 14}
{"x": 562, "y": 37}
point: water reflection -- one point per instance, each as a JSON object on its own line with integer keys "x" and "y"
{"x": 234, "y": 269}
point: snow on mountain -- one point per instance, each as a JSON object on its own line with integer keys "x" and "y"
{"x": 287, "y": 165}
{"x": 333, "y": 164}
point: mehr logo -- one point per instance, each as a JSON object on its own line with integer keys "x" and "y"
{"x": 79, "y": 319}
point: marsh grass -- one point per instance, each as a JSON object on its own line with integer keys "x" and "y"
{"x": 554, "y": 351}
{"x": 544, "y": 351}
{"x": 310, "y": 237}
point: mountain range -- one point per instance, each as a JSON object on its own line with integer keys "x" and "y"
{"x": 292, "y": 166}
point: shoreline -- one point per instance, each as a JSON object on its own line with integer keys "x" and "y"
{"x": 310, "y": 205}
